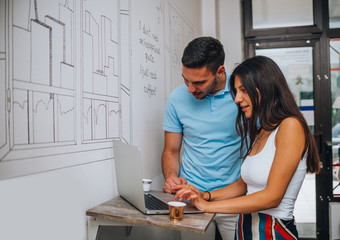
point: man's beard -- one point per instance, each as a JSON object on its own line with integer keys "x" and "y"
{"x": 211, "y": 89}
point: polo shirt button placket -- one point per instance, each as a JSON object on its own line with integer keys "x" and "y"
{"x": 213, "y": 108}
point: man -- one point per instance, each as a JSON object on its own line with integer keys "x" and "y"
{"x": 202, "y": 113}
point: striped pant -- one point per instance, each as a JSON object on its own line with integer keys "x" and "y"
{"x": 260, "y": 226}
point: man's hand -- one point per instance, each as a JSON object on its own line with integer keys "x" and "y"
{"x": 173, "y": 181}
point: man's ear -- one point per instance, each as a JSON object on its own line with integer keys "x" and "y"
{"x": 220, "y": 70}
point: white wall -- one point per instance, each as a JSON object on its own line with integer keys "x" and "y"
{"x": 222, "y": 20}
{"x": 52, "y": 205}
{"x": 209, "y": 18}
{"x": 229, "y": 31}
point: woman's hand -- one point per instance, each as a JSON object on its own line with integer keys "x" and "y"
{"x": 191, "y": 194}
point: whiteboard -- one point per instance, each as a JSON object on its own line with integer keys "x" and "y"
{"x": 77, "y": 74}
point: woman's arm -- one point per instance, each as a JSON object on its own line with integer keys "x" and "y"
{"x": 236, "y": 189}
{"x": 233, "y": 190}
{"x": 290, "y": 142}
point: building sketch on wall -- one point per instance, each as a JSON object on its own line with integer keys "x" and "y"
{"x": 77, "y": 74}
{"x": 60, "y": 77}
{"x": 101, "y": 86}
{"x": 43, "y": 75}
{"x": 125, "y": 73}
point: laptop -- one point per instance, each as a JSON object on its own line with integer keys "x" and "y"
{"x": 127, "y": 160}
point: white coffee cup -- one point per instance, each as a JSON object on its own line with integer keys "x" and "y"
{"x": 146, "y": 184}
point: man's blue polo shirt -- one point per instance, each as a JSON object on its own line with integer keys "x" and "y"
{"x": 211, "y": 145}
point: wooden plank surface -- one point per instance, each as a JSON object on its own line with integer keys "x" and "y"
{"x": 118, "y": 209}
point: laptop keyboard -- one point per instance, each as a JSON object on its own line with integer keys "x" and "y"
{"x": 153, "y": 203}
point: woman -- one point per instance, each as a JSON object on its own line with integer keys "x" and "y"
{"x": 280, "y": 149}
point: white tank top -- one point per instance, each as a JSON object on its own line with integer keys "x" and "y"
{"x": 255, "y": 171}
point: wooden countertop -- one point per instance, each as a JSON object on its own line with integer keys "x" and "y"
{"x": 118, "y": 209}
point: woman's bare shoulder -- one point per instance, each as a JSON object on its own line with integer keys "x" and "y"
{"x": 291, "y": 123}
{"x": 291, "y": 129}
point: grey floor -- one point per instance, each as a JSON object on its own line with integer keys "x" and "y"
{"x": 305, "y": 212}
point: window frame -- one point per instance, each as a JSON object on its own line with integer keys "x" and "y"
{"x": 250, "y": 32}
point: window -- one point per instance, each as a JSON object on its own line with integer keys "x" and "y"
{"x": 334, "y": 13}
{"x": 278, "y": 13}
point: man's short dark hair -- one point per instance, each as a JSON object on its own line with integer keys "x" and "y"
{"x": 204, "y": 51}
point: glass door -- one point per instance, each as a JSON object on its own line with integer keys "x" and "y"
{"x": 294, "y": 45}
{"x": 298, "y": 62}
{"x": 334, "y": 53}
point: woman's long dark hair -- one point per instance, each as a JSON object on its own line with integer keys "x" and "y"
{"x": 262, "y": 75}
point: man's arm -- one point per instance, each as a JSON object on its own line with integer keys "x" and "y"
{"x": 171, "y": 160}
